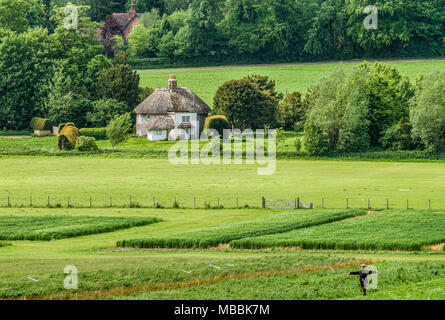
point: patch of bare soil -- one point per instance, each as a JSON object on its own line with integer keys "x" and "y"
{"x": 436, "y": 247}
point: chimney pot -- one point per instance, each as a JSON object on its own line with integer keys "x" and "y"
{"x": 172, "y": 83}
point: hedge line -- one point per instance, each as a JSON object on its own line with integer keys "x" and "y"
{"x": 97, "y": 133}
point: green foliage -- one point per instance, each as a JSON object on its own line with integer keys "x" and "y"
{"x": 120, "y": 83}
{"x": 95, "y": 67}
{"x": 427, "y": 111}
{"x": 213, "y": 236}
{"x": 68, "y": 137}
{"x": 292, "y": 111}
{"x": 387, "y": 230}
{"x": 41, "y": 124}
{"x": 250, "y": 102}
{"x": 388, "y": 100}
{"x": 46, "y": 228}
{"x": 19, "y": 15}
{"x": 26, "y": 63}
{"x": 84, "y": 143}
{"x": 218, "y": 123}
{"x": 398, "y": 136}
{"x": 144, "y": 93}
{"x": 96, "y": 133}
{"x": 338, "y": 118}
{"x": 119, "y": 128}
{"x": 104, "y": 110}
{"x": 63, "y": 105}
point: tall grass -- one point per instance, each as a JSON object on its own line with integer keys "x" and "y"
{"x": 46, "y": 228}
{"x": 213, "y": 236}
{"x": 388, "y": 230}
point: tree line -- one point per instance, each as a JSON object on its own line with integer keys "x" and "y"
{"x": 370, "y": 107}
{"x": 212, "y": 31}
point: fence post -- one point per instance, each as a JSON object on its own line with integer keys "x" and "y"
{"x": 387, "y": 203}
{"x": 48, "y": 202}
{"x": 68, "y": 202}
{"x": 30, "y": 201}
{"x": 407, "y": 204}
{"x": 91, "y": 202}
{"x": 298, "y": 203}
{"x": 237, "y": 202}
{"x": 429, "y": 204}
{"x": 154, "y": 202}
{"x": 111, "y": 202}
{"x": 194, "y": 202}
{"x": 131, "y": 202}
{"x": 218, "y": 203}
{"x": 295, "y": 203}
{"x": 264, "y": 203}
{"x": 322, "y": 203}
{"x": 369, "y": 204}
{"x": 347, "y": 203}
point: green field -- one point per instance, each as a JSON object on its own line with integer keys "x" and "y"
{"x": 100, "y": 199}
{"x": 222, "y": 234}
{"x": 143, "y": 179}
{"x": 396, "y": 281}
{"x": 205, "y": 81}
{"x": 61, "y": 227}
{"x": 387, "y": 230}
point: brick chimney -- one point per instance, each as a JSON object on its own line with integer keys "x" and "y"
{"x": 132, "y": 12}
{"x": 172, "y": 83}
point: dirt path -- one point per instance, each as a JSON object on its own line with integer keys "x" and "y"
{"x": 291, "y": 64}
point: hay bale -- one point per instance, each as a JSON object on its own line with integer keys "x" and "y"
{"x": 68, "y": 137}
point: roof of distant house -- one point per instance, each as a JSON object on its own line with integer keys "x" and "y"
{"x": 172, "y": 99}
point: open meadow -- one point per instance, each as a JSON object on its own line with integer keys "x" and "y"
{"x": 296, "y": 77}
{"x": 138, "y": 227}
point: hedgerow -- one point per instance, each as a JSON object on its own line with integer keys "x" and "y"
{"x": 46, "y": 228}
{"x": 387, "y": 230}
{"x": 97, "y": 133}
{"x": 215, "y": 235}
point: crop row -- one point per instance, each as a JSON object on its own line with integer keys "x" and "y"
{"x": 60, "y": 227}
{"x": 387, "y": 230}
{"x": 221, "y": 234}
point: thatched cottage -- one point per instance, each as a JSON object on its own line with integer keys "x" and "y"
{"x": 173, "y": 113}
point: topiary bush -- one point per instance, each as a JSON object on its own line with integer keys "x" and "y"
{"x": 68, "y": 137}
{"x": 218, "y": 123}
{"x": 97, "y": 133}
{"x": 41, "y": 124}
{"x": 86, "y": 144}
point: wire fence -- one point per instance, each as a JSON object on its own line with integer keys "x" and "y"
{"x": 162, "y": 202}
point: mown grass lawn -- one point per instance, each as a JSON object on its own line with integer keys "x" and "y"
{"x": 142, "y": 179}
{"x": 205, "y": 81}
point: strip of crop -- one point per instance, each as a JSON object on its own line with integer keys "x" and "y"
{"x": 48, "y": 228}
{"x": 388, "y": 230}
{"x": 127, "y": 291}
{"x": 216, "y": 235}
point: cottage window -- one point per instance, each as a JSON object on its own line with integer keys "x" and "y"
{"x": 186, "y": 119}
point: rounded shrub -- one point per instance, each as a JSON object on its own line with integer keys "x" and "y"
{"x": 218, "y": 123}
{"x": 86, "y": 144}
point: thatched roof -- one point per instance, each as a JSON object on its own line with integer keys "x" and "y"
{"x": 161, "y": 123}
{"x": 163, "y": 101}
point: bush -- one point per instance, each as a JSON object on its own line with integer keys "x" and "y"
{"x": 218, "y": 123}
{"x": 97, "y": 133}
{"x": 68, "y": 137}
{"x": 86, "y": 144}
{"x": 119, "y": 128}
{"x": 104, "y": 110}
{"x": 41, "y": 124}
